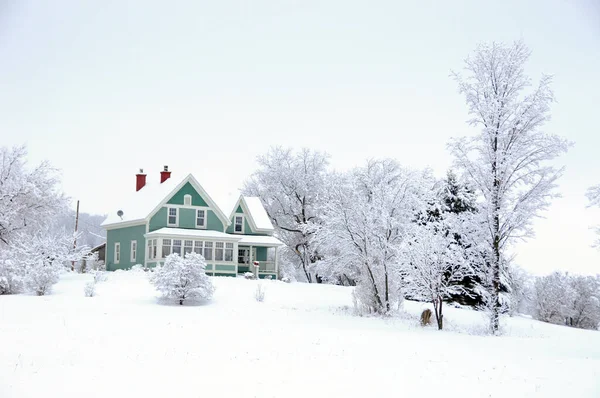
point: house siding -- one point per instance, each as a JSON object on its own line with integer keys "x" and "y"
{"x": 124, "y": 236}
{"x": 187, "y": 189}
{"x": 187, "y": 219}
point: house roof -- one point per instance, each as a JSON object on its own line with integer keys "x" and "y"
{"x": 260, "y": 240}
{"x": 192, "y": 233}
{"x": 183, "y": 233}
{"x": 144, "y": 203}
{"x": 258, "y": 212}
{"x": 259, "y": 219}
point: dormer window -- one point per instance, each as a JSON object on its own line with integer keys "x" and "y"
{"x": 172, "y": 219}
{"x": 239, "y": 225}
{"x": 187, "y": 200}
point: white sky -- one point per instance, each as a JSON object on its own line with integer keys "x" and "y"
{"x": 103, "y": 88}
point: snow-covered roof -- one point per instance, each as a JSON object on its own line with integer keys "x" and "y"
{"x": 192, "y": 233}
{"x": 258, "y": 212}
{"x": 141, "y": 204}
{"x": 259, "y": 219}
{"x": 260, "y": 240}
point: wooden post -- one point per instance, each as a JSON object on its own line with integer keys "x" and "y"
{"x": 75, "y": 240}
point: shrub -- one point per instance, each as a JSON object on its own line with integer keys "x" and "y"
{"x": 183, "y": 278}
{"x": 259, "y": 293}
{"x": 90, "y": 289}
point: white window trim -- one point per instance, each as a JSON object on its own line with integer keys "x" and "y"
{"x": 117, "y": 253}
{"x": 176, "y": 217}
{"x": 243, "y": 224}
{"x": 187, "y": 200}
{"x": 133, "y": 254}
{"x": 160, "y": 244}
{"x": 196, "y": 219}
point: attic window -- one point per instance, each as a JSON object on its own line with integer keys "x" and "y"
{"x": 187, "y": 200}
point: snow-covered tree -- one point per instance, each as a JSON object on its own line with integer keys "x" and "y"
{"x": 554, "y": 298}
{"x": 508, "y": 160}
{"x": 585, "y": 311}
{"x": 364, "y": 223}
{"x": 291, "y": 186}
{"x": 434, "y": 261}
{"x": 455, "y": 198}
{"x": 183, "y": 278}
{"x": 42, "y": 257}
{"x": 520, "y": 290}
{"x": 29, "y": 198}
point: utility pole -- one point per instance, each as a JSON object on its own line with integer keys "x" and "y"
{"x": 75, "y": 241}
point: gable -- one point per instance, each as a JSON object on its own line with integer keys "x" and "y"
{"x": 239, "y": 209}
{"x": 187, "y": 189}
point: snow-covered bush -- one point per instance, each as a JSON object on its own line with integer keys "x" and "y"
{"x": 43, "y": 257}
{"x": 286, "y": 279}
{"x": 90, "y": 289}
{"x": 183, "y": 278}
{"x": 100, "y": 276}
{"x": 259, "y": 293}
{"x": 248, "y": 275}
{"x": 12, "y": 277}
{"x": 138, "y": 268}
{"x": 91, "y": 263}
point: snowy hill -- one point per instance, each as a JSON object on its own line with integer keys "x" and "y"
{"x": 303, "y": 340}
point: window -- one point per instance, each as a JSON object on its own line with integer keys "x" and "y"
{"x": 208, "y": 251}
{"x": 166, "y": 247}
{"x": 172, "y": 216}
{"x": 228, "y": 251}
{"x": 133, "y": 250}
{"x": 198, "y": 247}
{"x": 151, "y": 249}
{"x": 218, "y": 251}
{"x": 200, "y": 218}
{"x": 239, "y": 224}
{"x": 117, "y": 252}
{"x": 187, "y": 200}
{"x": 177, "y": 246}
{"x": 188, "y": 246}
{"x": 243, "y": 256}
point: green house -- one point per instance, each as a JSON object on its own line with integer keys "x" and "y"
{"x": 179, "y": 216}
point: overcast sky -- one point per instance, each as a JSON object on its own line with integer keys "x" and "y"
{"x": 103, "y": 88}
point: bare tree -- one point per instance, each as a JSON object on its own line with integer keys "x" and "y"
{"x": 508, "y": 160}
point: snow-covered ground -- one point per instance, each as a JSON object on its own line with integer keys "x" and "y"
{"x": 302, "y": 341}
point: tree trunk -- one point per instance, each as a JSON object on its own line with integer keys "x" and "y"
{"x": 439, "y": 317}
{"x": 496, "y": 263}
{"x": 180, "y": 301}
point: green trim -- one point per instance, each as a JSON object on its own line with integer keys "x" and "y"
{"x": 242, "y": 269}
{"x": 224, "y": 267}
{"x": 239, "y": 209}
{"x": 223, "y": 274}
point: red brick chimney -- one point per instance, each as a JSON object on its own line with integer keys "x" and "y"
{"x": 140, "y": 180}
{"x": 165, "y": 174}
